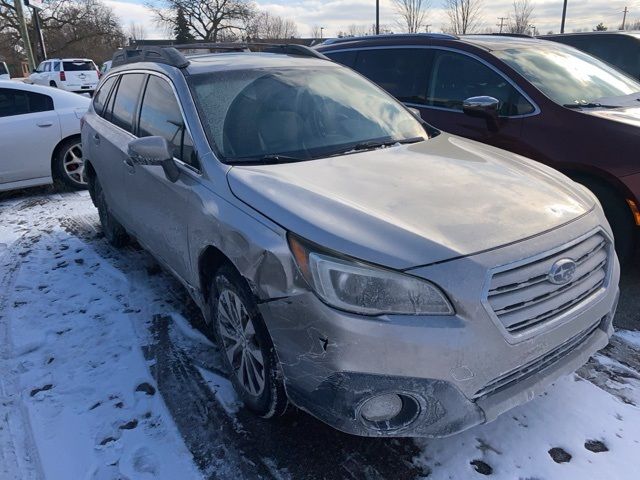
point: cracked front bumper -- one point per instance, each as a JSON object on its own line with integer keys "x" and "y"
{"x": 333, "y": 361}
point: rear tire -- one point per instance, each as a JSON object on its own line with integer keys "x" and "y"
{"x": 68, "y": 166}
{"x": 115, "y": 233}
{"x": 53, "y": 84}
{"x": 246, "y": 347}
{"x": 619, "y": 216}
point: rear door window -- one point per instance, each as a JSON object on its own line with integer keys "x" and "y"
{"x": 455, "y": 77}
{"x": 3, "y": 69}
{"x": 77, "y": 66}
{"x": 160, "y": 115}
{"x": 126, "y": 99}
{"x": 20, "y": 102}
{"x": 400, "y": 71}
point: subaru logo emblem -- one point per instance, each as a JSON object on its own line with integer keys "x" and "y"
{"x": 562, "y": 271}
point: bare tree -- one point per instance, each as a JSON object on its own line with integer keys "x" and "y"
{"x": 316, "y": 31}
{"x": 355, "y": 30}
{"x": 413, "y": 14}
{"x": 520, "y": 20}
{"x": 78, "y": 28}
{"x": 210, "y": 20}
{"x": 264, "y": 25}
{"x": 464, "y": 15}
{"x": 136, "y": 31}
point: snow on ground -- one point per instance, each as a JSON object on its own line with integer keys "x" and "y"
{"x": 102, "y": 377}
{"x": 76, "y": 387}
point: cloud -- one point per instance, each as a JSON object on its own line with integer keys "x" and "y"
{"x": 336, "y": 15}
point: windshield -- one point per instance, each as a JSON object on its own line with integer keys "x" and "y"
{"x": 298, "y": 113}
{"x": 566, "y": 75}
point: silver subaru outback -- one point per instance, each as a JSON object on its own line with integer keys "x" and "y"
{"x": 386, "y": 277}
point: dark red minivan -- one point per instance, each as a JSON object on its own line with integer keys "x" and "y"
{"x": 540, "y": 99}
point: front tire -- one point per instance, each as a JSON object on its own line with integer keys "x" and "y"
{"x": 619, "y": 216}
{"x": 115, "y": 233}
{"x": 245, "y": 344}
{"x": 68, "y": 166}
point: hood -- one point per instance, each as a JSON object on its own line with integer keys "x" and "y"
{"x": 411, "y": 205}
{"x": 630, "y": 116}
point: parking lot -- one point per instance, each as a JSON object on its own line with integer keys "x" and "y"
{"x": 107, "y": 373}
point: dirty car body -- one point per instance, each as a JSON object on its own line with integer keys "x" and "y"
{"x": 435, "y": 277}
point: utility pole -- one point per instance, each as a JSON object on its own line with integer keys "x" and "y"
{"x": 377, "y": 17}
{"x": 24, "y": 32}
{"x": 501, "y": 24}
{"x": 36, "y": 19}
{"x": 426, "y": 28}
{"x": 564, "y": 16}
{"x": 624, "y": 17}
{"x": 321, "y": 30}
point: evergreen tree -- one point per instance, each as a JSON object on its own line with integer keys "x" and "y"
{"x": 181, "y": 30}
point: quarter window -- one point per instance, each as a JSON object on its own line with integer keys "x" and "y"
{"x": 160, "y": 115}
{"x": 456, "y": 77}
{"x": 400, "y": 71}
{"x": 20, "y": 102}
{"x": 126, "y": 100}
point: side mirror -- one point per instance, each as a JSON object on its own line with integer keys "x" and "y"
{"x": 483, "y": 107}
{"x": 154, "y": 151}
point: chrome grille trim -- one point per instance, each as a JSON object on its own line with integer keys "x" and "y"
{"x": 520, "y": 296}
{"x": 537, "y": 365}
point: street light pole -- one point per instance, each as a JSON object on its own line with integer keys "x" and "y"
{"x": 564, "y": 16}
{"x": 377, "y": 17}
{"x": 321, "y": 30}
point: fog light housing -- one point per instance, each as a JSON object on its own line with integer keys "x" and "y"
{"x": 381, "y": 408}
{"x": 388, "y": 411}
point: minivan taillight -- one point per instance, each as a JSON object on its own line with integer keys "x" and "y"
{"x": 63, "y": 77}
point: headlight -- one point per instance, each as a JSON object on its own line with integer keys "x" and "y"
{"x": 361, "y": 288}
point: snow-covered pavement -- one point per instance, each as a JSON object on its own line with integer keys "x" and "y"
{"x": 103, "y": 376}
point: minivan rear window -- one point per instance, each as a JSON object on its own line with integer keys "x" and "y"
{"x": 78, "y": 66}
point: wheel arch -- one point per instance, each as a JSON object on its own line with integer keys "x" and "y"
{"x": 58, "y": 147}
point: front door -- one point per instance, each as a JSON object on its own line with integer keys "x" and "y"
{"x": 162, "y": 208}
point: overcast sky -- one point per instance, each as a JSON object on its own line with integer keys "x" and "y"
{"x": 336, "y": 15}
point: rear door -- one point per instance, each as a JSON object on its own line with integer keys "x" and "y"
{"x": 29, "y": 131}
{"x": 109, "y": 141}
{"x": 80, "y": 75}
{"x": 163, "y": 208}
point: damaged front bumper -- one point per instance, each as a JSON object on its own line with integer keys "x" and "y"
{"x": 333, "y": 362}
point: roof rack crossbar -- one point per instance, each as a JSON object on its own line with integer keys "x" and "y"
{"x": 166, "y": 55}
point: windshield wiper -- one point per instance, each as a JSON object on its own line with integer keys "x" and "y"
{"x": 589, "y": 105}
{"x": 270, "y": 159}
{"x": 386, "y": 143}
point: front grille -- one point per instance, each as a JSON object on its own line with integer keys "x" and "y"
{"x": 523, "y": 297}
{"x": 539, "y": 364}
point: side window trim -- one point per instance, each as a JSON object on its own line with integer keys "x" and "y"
{"x": 536, "y": 108}
{"x": 198, "y": 169}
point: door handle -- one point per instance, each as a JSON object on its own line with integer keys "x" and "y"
{"x": 96, "y": 139}
{"x": 129, "y": 162}
{"x": 44, "y": 124}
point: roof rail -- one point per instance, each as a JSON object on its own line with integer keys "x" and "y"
{"x": 516, "y": 35}
{"x": 166, "y": 55}
{"x": 283, "y": 48}
{"x": 435, "y": 36}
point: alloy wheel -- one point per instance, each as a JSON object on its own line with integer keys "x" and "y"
{"x": 73, "y": 164}
{"x": 240, "y": 342}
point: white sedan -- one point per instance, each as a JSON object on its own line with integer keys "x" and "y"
{"x": 40, "y": 136}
